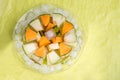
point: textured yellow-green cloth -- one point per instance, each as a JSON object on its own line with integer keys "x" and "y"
{"x": 100, "y": 57}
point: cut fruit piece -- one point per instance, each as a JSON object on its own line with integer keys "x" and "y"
{"x": 30, "y": 47}
{"x": 30, "y": 35}
{"x": 36, "y": 25}
{"x": 57, "y": 39}
{"x": 58, "y": 18}
{"x": 70, "y": 36}
{"x": 64, "y": 49}
{"x": 67, "y": 26}
{"x": 45, "y": 19}
{"x": 38, "y": 36}
{"x": 50, "y": 34}
{"x": 52, "y": 57}
{"x": 41, "y": 52}
{"x": 53, "y": 46}
{"x": 43, "y": 41}
{"x": 50, "y": 26}
{"x": 36, "y": 59}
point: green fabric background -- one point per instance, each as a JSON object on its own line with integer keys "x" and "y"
{"x": 100, "y": 59}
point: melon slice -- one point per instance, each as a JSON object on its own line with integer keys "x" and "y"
{"x": 30, "y": 35}
{"x": 64, "y": 49}
{"x": 36, "y": 58}
{"x": 57, "y": 39}
{"x": 41, "y": 52}
{"x": 53, "y": 46}
{"x": 52, "y": 57}
{"x": 43, "y": 41}
{"x": 36, "y": 25}
{"x": 70, "y": 36}
{"x": 30, "y": 47}
{"x": 45, "y": 19}
{"x": 67, "y": 26}
{"x": 58, "y": 18}
{"x": 50, "y": 26}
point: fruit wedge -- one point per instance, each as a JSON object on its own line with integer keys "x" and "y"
{"x": 50, "y": 26}
{"x": 43, "y": 41}
{"x": 67, "y": 26}
{"x": 30, "y": 35}
{"x": 36, "y": 58}
{"x": 70, "y": 36}
{"x": 45, "y": 19}
{"x": 64, "y": 49}
{"x": 41, "y": 52}
{"x": 58, "y": 18}
{"x": 36, "y": 24}
{"x": 57, "y": 39}
{"x": 53, "y": 46}
{"x": 52, "y": 57}
{"x": 30, "y": 47}
{"x": 50, "y": 34}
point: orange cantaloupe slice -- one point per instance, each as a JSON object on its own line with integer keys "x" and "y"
{"x": 45, "y": 19}
{"x": 67, "y": 26}
{"x": 57, "y": 39}
{"x": 50, "y": 26}
{"x": 41, "y": 52}
{"x": 30, "y": 35}
{"x": 64, "y": 49}
{"x": 43, "y": 41}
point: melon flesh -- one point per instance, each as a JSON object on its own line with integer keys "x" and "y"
{"x": 53, "y": 46}
{"x": 52, "y": 57}
{"x": 30, "y": 47}
{"x": 36, "y": 24}
{"x": 45, "y": 19}
{"x": 58, "y": 18}
{"x": 67, "y": 26}
{"x": 41, "y": 52}
{"x": 36, "y": 59}
{"x": 30, "y": 35}
{"x": 64, "y": 49}
{"x": 70, "y": 36}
